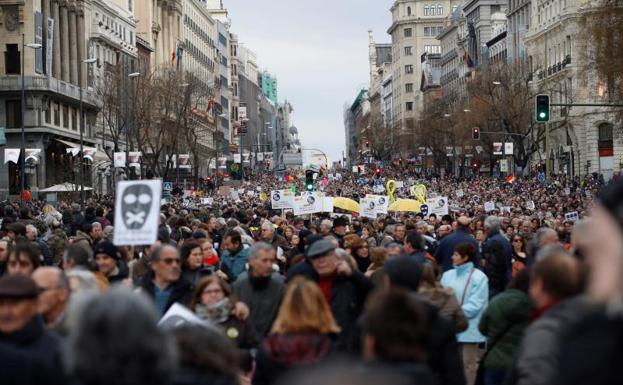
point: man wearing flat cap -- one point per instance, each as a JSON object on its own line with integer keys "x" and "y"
{"x": 344, "y": 288}
{"x": 20, "y": 325}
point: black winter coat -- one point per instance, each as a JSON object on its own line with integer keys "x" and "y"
{"x": 498, "y": 253}
{"x": 36, "y": 341}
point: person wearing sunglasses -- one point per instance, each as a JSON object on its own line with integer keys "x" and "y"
{"x": 165, "y": 285}
{"x": 519, "y": 254}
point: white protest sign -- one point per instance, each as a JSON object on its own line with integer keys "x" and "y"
{"x": 137, "y": 212}
{"x": 179, "y": 315}
{"x": 530, "y": 205}
{"x": 459, "y": 193}
{"x": 251, "y": 193}
{"x": 327, "y": 204}
{"x": 438, "y": 206}
{"x": 281, "y": 199}
{"x": 400, "y": 184}
{"x": 233, "y": 194}
{"x": 378, "y": 188}
{"x": 381, "y": 202}
{"x": 489, "y": 206}
{"x": 572, "y": 216}
{"x": 367, "y": 208}
{"x": 310, "y": 204}
{"x": 207, "y": 201}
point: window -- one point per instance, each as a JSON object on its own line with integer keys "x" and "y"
{"x": 439, "y": 10}
{"x": 48, "y": 112}
{"x": 409, "y": 87}
{"x": 13, "y": 113}
{"x": 432, "y": 48}
{"x": 426, "y": 10}
{"x": 74, "y": 120}
{"x": 222, "y": 39}
{"x": 605, "y": 136}
{"x": 408, "y": 32}
{"x": 130, "y": 5}
{"x": 409, "y": 69}
{"x": 57, "y": 114}
{"x": 12, "y": 59}
{"x": 408, "y": 51}
{"x": 223, "y": 81}
{"x": 65, "y": 117}
{"x": 408, "y": 11}
{"x": 409, "y": 106}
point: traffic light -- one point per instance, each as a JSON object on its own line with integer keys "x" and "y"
{"x": 542, "y": 108}
{"x": 476, "y": 133}
{"x": 309, "y": 180}
{"x": 378, "y": 172}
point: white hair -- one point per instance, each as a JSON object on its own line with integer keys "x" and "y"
{"x": 33, "y": 229}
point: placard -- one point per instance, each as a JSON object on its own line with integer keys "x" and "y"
{"x": 460, "y": 193}
{"x": 489, "y": 206}
{"x": 438, "y": 206}
{"x": 572, "y": 216}
{"x": 137, "y": 212}
{"x": 327, "y": 204}
{"x": 309, "y": 204}
{"x": 530, "y": 205}
{"x": 381, "y": 202}
{"x": 367, "y": 208}
{"x": 281, "y": 199}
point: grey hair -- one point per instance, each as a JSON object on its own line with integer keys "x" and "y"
{"x": 258, "y": 248}
{"x": 550, "y": 251}
{"x": 326, "y": 222}
{"x": 115, "y": 339}
{"x": 86, "y": 278}
{"x": 96, "y": 224}
{"x": 33, "y": 229}
{"x": 155, "y": 256}
{"x": 541, "y": 234}
{"x": 267, "y": 225}
{"x": 492, "y": 223}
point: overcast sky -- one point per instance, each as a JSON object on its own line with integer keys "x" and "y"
{"x": 319, "y": 52}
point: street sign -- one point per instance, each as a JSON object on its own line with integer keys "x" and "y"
{"x": 294, "y": 159}
{"x": 167, "y": 186}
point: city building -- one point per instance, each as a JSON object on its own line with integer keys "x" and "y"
{"x": 268, "y": 85}
{"x": 56, "y": 37}
{"x": 497, "y": 47}
{"x": 415, "y": 26}
{"x": 355, "y": 122}
{"x": 582, "y": 138}
{"x": 518, "y": 13}
{"x": 455, "y": 62}
{"x": 380, "y": 59}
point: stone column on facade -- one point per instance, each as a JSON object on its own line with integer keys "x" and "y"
{"x": 45, "y": 13}
{"x": 56, "y": 43}
{"x": 81, "y": 49}
{"x": 64, "y": 41}
{"x": 166, "y": 33}
{"x": 73, "y": 48}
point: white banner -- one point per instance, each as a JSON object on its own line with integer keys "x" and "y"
{"x": 309, "y": 204}
{"x": 236, "y": 158}
{"x": 497, "y": 148}
{"x": 137, "y": 212}
{"x": 367, "y": 208}
{"x": 503, "y": 165}
{"x": 489, "y": 206}
{"x": 11, "y": 155}
{"x": 327, "y": 204}
{"x": 119, "y": 159}
{"x": 135, "y": 159}
{"x": 281, "y": 199}
{"x": 260, "y": 156}
{"x": 381, "y": 202}
{"x": 438, "y": 206}
{"x": 508, "y": 148}
{"x": 245, "y": 157}
{"x": 33, "y": 154}
{"x": 222, "y": 162}
{"x": 183, "y": 161}
{"x": 89, "y": 153}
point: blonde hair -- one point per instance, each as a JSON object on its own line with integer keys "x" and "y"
{"x": 304, "y": 309}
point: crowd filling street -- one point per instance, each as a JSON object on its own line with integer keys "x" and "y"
{"x": 520, "y": 281}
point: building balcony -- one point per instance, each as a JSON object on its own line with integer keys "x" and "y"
{"x": 63, "y": 90}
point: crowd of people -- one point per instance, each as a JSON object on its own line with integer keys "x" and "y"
{"x": 522, "y": 294}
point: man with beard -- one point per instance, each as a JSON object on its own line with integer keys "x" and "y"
{"x": 260, "y": 288}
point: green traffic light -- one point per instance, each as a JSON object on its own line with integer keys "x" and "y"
{"x": 542, "y": 114}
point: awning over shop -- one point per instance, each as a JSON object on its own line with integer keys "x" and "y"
{"x": 89, "y": 152}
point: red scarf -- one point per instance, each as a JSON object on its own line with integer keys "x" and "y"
{"x": 326, "y": 285}
{"x": 537, "y": 313}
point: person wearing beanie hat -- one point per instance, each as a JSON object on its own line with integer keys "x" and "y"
{"x": 109, "y": 263}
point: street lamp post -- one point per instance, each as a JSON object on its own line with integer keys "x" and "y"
{"x": 87, "y": 62}
{"x": 23, "y": 102}
{"x": 127, "y": 134}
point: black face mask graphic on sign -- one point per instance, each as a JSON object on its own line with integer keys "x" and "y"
{"x": 135, "y": 206}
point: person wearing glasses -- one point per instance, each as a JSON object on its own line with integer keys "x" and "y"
{"x": 165, "y": 285}
{"x": 213, "y": 300}
{"x": 519, "y": 254}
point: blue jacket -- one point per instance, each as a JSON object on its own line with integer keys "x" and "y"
{"x": 444, "y": 251}
{"x": 476, "y": 298}
{"x": 235, "y": 264}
